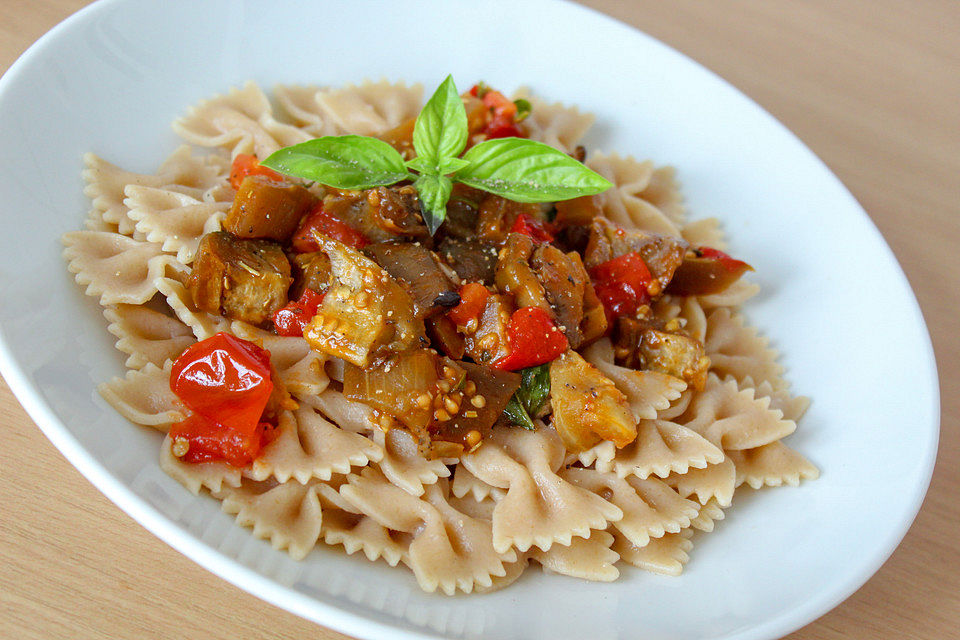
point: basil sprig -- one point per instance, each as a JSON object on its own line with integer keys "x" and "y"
{"x": 530, "y": 397}
{"x": 515, "y": 168}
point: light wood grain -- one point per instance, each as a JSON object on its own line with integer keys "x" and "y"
{"x": 872, "y": 87}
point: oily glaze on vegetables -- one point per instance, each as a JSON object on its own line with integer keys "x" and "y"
{"x": 455, "y": 303}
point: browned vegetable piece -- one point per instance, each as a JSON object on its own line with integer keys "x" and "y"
{"x": 564, "y": 280}
{"x": 587, "y": 406}
{"x": 311, "y": 271}
{"x": 578, "y": 211}
{"x": 497, "y": 216}
{"x": 473, "y": 261}
{"x": 381, "y": 214}
{"x": 265, "y": 208}
{"x": 462, "y": 209}
{"x": 703, "y": 275}
{"x": 662, "y": 254}
{"x": 675, "y": 354}
{"x": 240, "y": 279}
{"x": 365, "y": 313}
{"x": 557, "y": 282}
{"x": 479, "y": 402}
{"x": 594, "y": 322}
{"x": 443, "y": 334}
{"x": 489, "y": 342}
{"x": 403, "y": 385}
{"x": 401, "y": 138}
{"x": 418, "y": 270}
{"x": 514, "y": 275}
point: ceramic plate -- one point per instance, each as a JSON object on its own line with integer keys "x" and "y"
{"x": 112, "y": 78}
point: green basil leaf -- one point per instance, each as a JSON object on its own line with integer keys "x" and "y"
{"x": 446, "y": 166}
{"x": 434, "y": 193}
{"x": 527, "y": 171}
{"x": 344, "y": 162}
{"x": 440, "y": 131}
{"x": 517, "y": 415}
{"x": 534, "y": 388}
{"x": 451, "y": 165}
{"x": 422, "y": 165}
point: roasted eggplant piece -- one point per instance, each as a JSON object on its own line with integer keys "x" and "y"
{"x": 418, "y": 270}
{"x": 557, "y": 282}
{"x": 488, "y": 343}
{"x": 497, "y": 215}
{"x": 662, "y": 254}
{"x": 265, "y": 208}
{"x": 380, "y": 214}
{"x": 240, "y": 279}
{"x": 365, "y": 314}
{"x": 587, "y": 406}
{"x": 444, "y": 336}
{"x": 311, "y": 271}
{"x": 476, "y": 403}
{"x": 706, "y": 271}
{"x": 515, "y": 276}
{"x": 473, "y": 261}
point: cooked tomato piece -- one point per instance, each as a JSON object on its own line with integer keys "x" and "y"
{"x": 226, "y": 380}
{"x": 246, "y": 164}
{"x": 621, "y": 284}
{"x": 534, "y": 339}
{"x": 529, "y": 226}
{"x": 292, "y": 319}
{"x": 208, "y": 441}
{"x": 473, "y": 298}
{"x": 320, "y": 221}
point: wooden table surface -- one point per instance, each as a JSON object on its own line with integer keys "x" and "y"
{"x": 873, "y": 87}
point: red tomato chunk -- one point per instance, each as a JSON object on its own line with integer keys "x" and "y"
{"x": 534, "y": 339}
{"x": 292, "y": 319}
{"x": 621, "y": 284}
{"x": 226, "y": 382}
{"x": 246, "y": 164}
{"x": 539, "y": 231}
{"x": 319, "y": 221}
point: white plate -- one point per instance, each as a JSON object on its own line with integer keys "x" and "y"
{"x": 113, "y": 77}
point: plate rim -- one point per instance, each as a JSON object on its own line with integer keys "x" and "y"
{"x": 358, "y": 624}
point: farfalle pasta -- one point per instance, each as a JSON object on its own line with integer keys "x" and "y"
{"x": 567, "y": 384}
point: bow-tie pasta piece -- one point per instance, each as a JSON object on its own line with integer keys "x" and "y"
{"x": 587, "y": 558}
{"x": 772, "y": 465}
{"x": 147, "y": 336}
{"x": 287, "y": 514}
{"x": 733, "y": 418}
{"x": 661, "y": 448}
{"x": 665, "y": 555}
{"x": 143, "y": 396}
{"x": 241, "y": 122}
{"x": 625, "y": 203}
{"x": 368, "y": 108}
{"x": 306, "y": 445}
{"x": 114, "y": 267}
{"x": 174, "y": 220}
{"x": 449, "y": 550}
{"x": 708, "y": 515}
{"x": 556, "y": 124}
{"x": 650, "y": 507}
{"x": 195, "y": 476}
{"x": 525, "y": 464}
{"x": 403, "y": 463}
